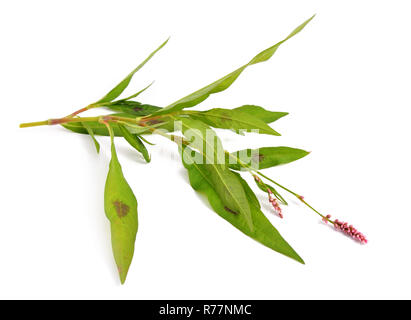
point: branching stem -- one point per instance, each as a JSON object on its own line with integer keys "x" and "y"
{"x": 142, "y": 122}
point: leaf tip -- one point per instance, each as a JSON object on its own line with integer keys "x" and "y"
{"x": 297, "y": 257}
{"x": 312, "y": 17}
{"x": 305, "y": 153}
{"x": 165, "y": 42}
{"x": 300, "y": 260}
{"x": 309, "y": 19}
{"x": 122, "y": 274}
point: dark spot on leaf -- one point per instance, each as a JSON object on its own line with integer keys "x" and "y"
{"x": 258, "y": 157}
{"x": 138, "y": 108}
{"x": 121, "y": 208}
{"x": 151, "y": 122}
{"x": 229, "y": 210}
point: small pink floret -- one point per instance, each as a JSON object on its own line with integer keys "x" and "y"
{"x": 257, "y": 178}
{"x": 325, "y": 219}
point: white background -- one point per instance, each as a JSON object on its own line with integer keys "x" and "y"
{"x": 345, "y": 81}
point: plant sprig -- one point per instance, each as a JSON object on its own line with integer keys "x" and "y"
{"x": 212, "y": 170}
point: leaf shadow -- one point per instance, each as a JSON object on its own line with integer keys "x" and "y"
{"x": 184, "y": 174}
{"x": 89, "y": 146}
{"x": 172, "y": 155}
{"x": 130, "y": 154}
{"x": 97, "y": 173}
{"x": 265, "y": 205}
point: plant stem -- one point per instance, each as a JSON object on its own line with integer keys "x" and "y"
{"x": 51, "y": 122}
{"x": 276, "y": 183}
{"x": 170, "y": 137}
{"x": 34, "y": 124}
{"x": 296, "y": 195}
{"x": 110, "y": 131}
{"x": 91, "y": 106}
{"x": 246, "y": 166}
{"x": 79, "y": 119}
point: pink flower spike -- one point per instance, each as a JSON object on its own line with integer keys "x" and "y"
{"x": 274, "y": 203}
{"x": 350, "y": 231}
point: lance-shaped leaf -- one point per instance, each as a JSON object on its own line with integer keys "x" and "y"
{"x": 91, "y": 133}
{"x": 265, "y": 157}
{"x": 135, "y": 142}
{"x": 137, "y": 93}
{"x": 233, "y": 119}
{"x": 261, "y": 113}
{"x": 98, "y": 128}
{"x": 264, "y": 232}
{"x": 224, "y": 182}
{"x": 120, "y": 206}
{"x": 133, "y": 108}
{"x": 225, "y": 82}
{"x": 118, "y": 89}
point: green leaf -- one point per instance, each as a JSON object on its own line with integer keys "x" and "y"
{"x": 266, "y": 157}
{"x": 220, "y": 177}
{"x": 99, "y": 129}
{"x": 120, "y": 206}
{"x": 264, "y": 232}
{"x": 135, "y": 142}
{"x": 138, "y": 93}
{"x": 134, "y": 108}
{"x": 225, "y": 82}
{"x": 261, "y": 113}
{"x": 233, "y": 119}
{"x": 146, "y": 141}
{"x": 230, "y": 191}
{"x": 91, "y": 133}
{"x": 118, "y": 89}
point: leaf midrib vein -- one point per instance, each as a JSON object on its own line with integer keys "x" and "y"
{"x": 247, "y": 214}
